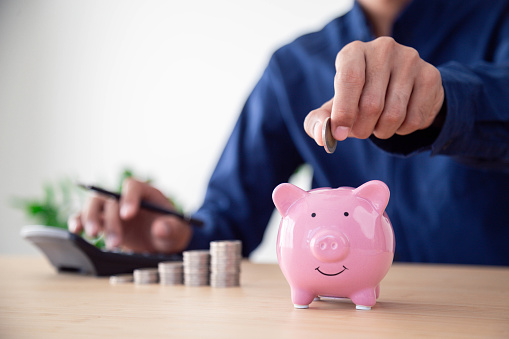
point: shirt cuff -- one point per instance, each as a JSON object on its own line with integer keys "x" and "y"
{"x": 458, "y": 122}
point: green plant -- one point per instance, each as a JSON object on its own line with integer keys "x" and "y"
{"x": 54, "y": 208}
{"x": 63, "y": 198}
{"x": 59, "y": 201}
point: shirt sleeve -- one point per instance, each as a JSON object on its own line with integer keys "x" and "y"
{"x": 258, "y": 156}
{"x": 476, "y": 126}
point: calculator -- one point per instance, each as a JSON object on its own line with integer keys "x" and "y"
{"x": 68, "y": 252}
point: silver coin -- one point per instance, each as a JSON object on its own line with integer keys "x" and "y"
{"x": 145, "y": 271}
{"x": 226, "y": 260}
{"x": 225, "y": 243}
{"x": 225, "y": 256}
{"x": 171, "y": 278}
{"x": 196, "y": 283}
{"x": 329, "y": 143}
{"x": 145, "y": 281}
{"x": 170, "y": 272}
{"x": 166, "y": 281}
{"x": 170, "y": 265}
{"x": 225, "y": 279}
{"x": 196, "y": 253}
{"x": 121, "y": 279}
{"x": 146, "y": 276}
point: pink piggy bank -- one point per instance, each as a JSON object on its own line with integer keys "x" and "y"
{"x": 334, "y": 242}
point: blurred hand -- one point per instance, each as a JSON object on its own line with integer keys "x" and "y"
{"x": 125, "y": 224}
{"x": 381, "y": 88}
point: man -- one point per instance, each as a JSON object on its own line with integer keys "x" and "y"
{"x": 426, "y": 81}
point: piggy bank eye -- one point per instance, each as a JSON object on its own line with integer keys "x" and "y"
{"x": 313, "y": 215}
{"x": 346, "y": 214}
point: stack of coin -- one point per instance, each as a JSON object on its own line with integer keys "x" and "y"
{"x": 146, "y": 276}
{"x": 121, "y": 279}
{"x": 171, "y": 273}
{"x": 196, "y": 267}
{"x": 225, "y": 258}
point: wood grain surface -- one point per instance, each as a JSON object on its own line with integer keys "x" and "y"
{"x": 416, "y": 300}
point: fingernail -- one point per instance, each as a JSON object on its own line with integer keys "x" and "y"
{"x": 91, "y": 228}
{"x": 126, "y": 210}
{"x": 341, "y": 133}
{"x": 317, "y": 132}
{"x": 72, "y": 224}
{"x": 112, "y": 240}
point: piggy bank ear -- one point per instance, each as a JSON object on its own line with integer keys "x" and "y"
{"x": 285, "y": 195}
{"x": 375, "y": 191}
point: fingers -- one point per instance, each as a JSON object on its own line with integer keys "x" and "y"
{"x": 372, "y": 98}
{"x": 113, "y": 224}
{"x": 348, "y": 84}
{"x": 91, "y": 218}
{"x": 398, "y": 95}
{"x": 381, "y": 88}
{"x": 425, "y": 102}
{"x": 133, "y": 192}
{"x": 170, "y": 234}
{"x": 74, "y": 224}
{"x": 314, "y": 121}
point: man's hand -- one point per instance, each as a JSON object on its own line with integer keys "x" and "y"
{"x": 125, "y": 225}
{"x": 380, "y": 88}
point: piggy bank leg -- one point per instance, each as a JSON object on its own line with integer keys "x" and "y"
{"x": 301, "y": 298}
{"x": 364, "y": 299}
{"x": 377, "y": 291}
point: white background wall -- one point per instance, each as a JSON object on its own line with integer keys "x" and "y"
{"x": 90, "y": 87}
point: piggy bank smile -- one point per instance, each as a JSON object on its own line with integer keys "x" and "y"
{"x": 331, "y": 274}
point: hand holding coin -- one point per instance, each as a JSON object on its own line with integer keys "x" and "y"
{"x": 329, "y": 143}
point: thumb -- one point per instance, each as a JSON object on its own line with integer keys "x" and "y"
{"x": 170, "y": 234}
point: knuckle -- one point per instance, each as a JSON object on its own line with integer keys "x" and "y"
{"x": 353, "y": 45}
{"x": 349, "y": 77}
{"x": 411, "y": 54}
{"x": 371, "y": 106}
{"x": 430, "y": 76}
{"x": 393, "y": 116}
{"x": 343, "y": 116}
{"x": 382, "y": 133}
{"x": 384, "y": 46}
{"x": 347, "y": 50}
{"x": 413, "y": 123}
{"x": 361, "y": 133}
{"x": 385, "y": 41}
{"x": 401, "y": 97}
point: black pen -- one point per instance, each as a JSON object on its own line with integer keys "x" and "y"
{"x": 145, "y": 205}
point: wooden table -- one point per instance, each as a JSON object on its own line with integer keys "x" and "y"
{"x": 416, "y": 301}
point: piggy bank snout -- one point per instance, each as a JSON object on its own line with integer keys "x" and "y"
{"x": 329, "y": 246}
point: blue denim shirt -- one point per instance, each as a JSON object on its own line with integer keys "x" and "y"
{"x": 449, "y": 190}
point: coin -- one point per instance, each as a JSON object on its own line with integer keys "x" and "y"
{"x": 121, "y": 279}
{"x": 196, "y": 267}
{"x": 146, "y": 276}
{"x": 171, "y": 273}
{"x": 225, "y": 260}
{"x": 329, "y": 143}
